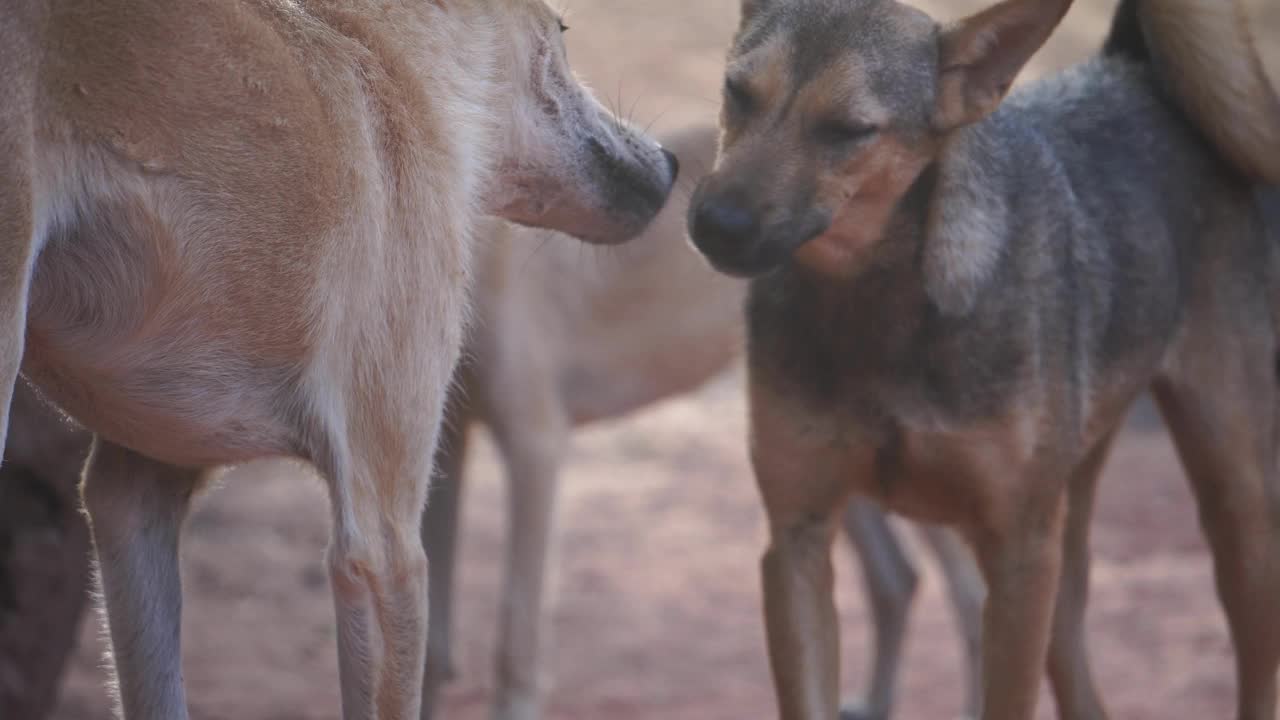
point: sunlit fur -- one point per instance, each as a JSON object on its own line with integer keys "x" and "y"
{"x": 231, "y": 230}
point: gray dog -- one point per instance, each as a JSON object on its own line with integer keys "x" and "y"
{"x": 957, "y": 298}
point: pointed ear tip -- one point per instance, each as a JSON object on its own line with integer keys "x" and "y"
{"x": 1000, "y": 40}
{"x": 1010, "y": 15}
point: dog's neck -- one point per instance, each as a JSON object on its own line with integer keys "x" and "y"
{"x": 870, "y": 313}
{"x": 893, "y": 261}
{"x": 938, "y": 252}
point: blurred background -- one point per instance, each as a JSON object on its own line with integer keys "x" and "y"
{"x": 656, "y": 608}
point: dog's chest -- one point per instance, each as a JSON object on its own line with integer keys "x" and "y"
{"x": 925, "y": 414}
{"x": 911, "y": 459}
{"x": 878, "y": 346}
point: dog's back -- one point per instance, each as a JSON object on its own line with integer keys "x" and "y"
{"x": 1123, "y": 201}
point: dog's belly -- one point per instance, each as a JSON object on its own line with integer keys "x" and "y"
{"x": 173, "y": 406}
{"x": 171, "y": 349}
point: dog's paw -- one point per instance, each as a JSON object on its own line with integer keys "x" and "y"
{"x": 860, "y": 711}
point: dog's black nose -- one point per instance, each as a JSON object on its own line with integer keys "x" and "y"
{"x": 726, "y": 232}
{"x": 673, "y": 162}
{"x": 723, "y": 222}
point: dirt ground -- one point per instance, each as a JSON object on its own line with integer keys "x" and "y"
{"x": 658, "y": 609}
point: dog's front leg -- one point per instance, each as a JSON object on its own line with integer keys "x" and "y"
{"x": 1069, "y": 674}
{"x": 136, "y": 507}
{"x": 800, "y": 475}
{"x": 800, "y": 617}
{"x": 1020, "y": 554}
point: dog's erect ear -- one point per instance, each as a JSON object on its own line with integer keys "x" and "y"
{"x": 979, "y": 57}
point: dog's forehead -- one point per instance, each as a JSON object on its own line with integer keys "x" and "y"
{"x": 886, "y": 47}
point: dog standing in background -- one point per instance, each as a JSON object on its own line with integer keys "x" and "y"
{"x": 562, "y": 340}
{"x": 235, "y": 230}
{"x": 956, "y": 298}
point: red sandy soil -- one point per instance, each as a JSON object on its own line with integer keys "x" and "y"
{"x": 658, "y": 609}
{"x": 658, "y": 613}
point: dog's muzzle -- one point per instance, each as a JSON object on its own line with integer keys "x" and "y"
{"x": 736, "y": 242}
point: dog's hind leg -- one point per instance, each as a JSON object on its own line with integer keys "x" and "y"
{"x": 531, "y": 438}
{"x": 378, "y": 569}
{"x": 890, "y": 580}
{"x": 440, "y": 539}
{"x": 1221, "y": 409}
{"x": 967, "y": 593}
{"x": 377, "y": 461}
{"x": 373, "y": 397}
{"x": 1069, "y": 673}
{"x": 136, "y": 507}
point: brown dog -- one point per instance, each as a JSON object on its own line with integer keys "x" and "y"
{"x": 957, "y": 298}
{"x": 233, "y": 230}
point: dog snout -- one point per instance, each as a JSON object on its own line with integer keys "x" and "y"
{"x": 727, "y": 232}
{"x": 722, "y": 222}
{"x": 738, "y": 239}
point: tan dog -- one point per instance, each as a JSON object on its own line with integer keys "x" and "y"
{"x": 563, "y": 339}
{"x": 956, "y": 298}
{"x": 233, "y": 230}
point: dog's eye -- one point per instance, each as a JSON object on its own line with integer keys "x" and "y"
{"x": 840, "y": 132}
{"x": 738, "y": 96}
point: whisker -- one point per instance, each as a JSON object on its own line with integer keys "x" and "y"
{"x": 621, "y": 124}
{"x": 649, "y": 126}
{"x": 631, "y": 112}
{"x": 546, "y": 236}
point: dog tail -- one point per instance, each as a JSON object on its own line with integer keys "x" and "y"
{"x": 1206, "y": 58}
